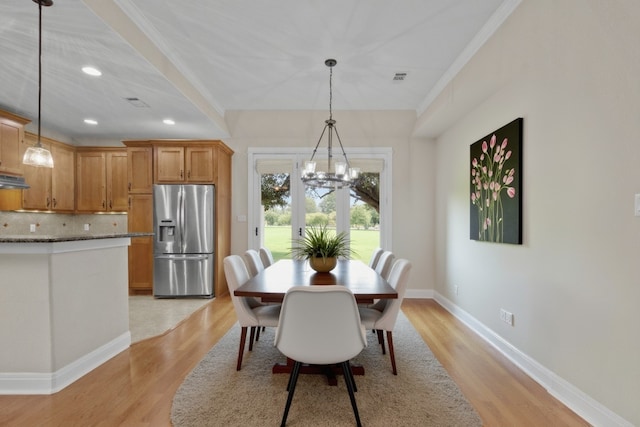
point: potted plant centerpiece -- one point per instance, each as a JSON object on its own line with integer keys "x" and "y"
{"x": 322, "y": 248}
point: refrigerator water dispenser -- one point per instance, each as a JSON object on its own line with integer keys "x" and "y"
{"x": 167, "y": 230}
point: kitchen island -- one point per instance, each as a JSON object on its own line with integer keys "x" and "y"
{"x": 64, "y": 308}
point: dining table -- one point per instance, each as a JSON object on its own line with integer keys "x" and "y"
{"x": 271, "y": 284}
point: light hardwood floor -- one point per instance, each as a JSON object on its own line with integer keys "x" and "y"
{"x": 136, "y": 387}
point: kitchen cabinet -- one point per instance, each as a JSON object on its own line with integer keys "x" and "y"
{"x": 140, "y": 169}
{"x": 194, "y": 164}
{"x": 51, "y": 189}
{"x": 101, "y": 180}
{"x": 140, "y": 219}
{"x": 11, "y": 141}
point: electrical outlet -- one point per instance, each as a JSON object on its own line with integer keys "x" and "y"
{"x": 86, "y": 227}
{"x": 32, "y": 228}
{"x": 506, "y": 316}
{"x": 509, "y": 318}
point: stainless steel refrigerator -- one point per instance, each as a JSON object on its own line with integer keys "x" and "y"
{"x": 183, "y": 247}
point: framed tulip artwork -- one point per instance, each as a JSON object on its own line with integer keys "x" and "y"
{"x": 496, "y": 186}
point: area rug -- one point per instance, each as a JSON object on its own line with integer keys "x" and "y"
{"x": 149, "y": 317}
{"x": 422, "y": 394}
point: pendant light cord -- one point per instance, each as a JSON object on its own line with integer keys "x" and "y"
{"x": 39, "y": 144}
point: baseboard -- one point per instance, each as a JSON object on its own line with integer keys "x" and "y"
{"x": 589, "y": 409}
{"x": 419, "y": 294}
{"x": 49, "y": 383}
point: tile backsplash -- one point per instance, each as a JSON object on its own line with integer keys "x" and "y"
{"x": 52, "y": 224}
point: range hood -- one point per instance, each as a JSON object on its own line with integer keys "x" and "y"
{"x": 8, "y": 182}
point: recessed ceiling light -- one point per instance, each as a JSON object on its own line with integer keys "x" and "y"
{"x": 92, "y": 71}
{"x": 91, "y": 121}
{"x": 168, "y": 122}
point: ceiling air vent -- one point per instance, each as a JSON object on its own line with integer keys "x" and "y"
{"x": 137, "y": 102}
{"x": 399, "y": 77}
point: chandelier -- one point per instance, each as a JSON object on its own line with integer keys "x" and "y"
{"x": 38, "y": 155}
{"x": 342, "y": 175}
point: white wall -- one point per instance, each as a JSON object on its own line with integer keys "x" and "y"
{"x": 571, "y": 69}
{"x": 413, "y": 170}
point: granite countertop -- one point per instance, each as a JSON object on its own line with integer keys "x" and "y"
{"x": 70, "y": 238}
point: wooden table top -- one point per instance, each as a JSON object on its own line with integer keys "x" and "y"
{"x": 272, "y": 283}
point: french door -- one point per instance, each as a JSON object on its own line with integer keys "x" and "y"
{"x": 280, "y": 207}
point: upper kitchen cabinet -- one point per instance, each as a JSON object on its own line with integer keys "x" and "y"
{"x": 51, "y": 189}
{"x": 194, "y": 163}
{"x": 140, "y": 169}
{"x": 11, "y": 140}
{"x": 101, "y": 179}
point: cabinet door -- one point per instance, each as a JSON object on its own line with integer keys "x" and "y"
{"x": 169, "y": 164}
{"x": 199, "y": 164}
{"x": 140, "y": 219}
{"x": 38, "y": 196}
{"x": 91, "y": 181}
{"x": 10, "y": 139}
{"x": 117, "y": 187}
{"x": 140, "y": 169}
{"x": 63, "y": 177}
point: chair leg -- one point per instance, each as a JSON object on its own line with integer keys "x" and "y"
{"x": 346, "y": 370}
{"x": 293, "y": 379}
{"x": 251, "y": 337}
{"x": 243, "y": 338}
{"x": 391, "y": 353}
{"x": 381, "y": 340}
{"x": 352, "y": 378}
{"x": 258, "y": 333}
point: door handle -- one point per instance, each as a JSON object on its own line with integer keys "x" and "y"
{"x": 300, "y": 231}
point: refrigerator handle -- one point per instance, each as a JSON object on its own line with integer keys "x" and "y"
{"x": 181, "y": 217}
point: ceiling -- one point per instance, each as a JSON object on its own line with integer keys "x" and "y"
{"x": 195, "y": 60}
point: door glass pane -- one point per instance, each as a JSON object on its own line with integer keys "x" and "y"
{"x": 320, "y": 208}
{"x": 364, "y": 217}
{"x": 276, "y": 213}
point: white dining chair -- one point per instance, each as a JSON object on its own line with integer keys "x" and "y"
{"x": 320, "y": 325}
{"x": 375, "y": 256}
{"x": 253, "y": 262}
{"x": 236, "y": 272}
{"x": 383, "y": 266}
{"x": 266, "y": 256}
{"x": 382, "y": 316}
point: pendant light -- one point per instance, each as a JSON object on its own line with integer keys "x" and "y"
{"x": 342, "y": 175}
{"x": 38, "y": 155}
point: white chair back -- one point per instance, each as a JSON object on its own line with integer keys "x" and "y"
{"x": 383, "y": 267}
{"x": 320, "y": 325}
{"x": 266, "y": 256}
{"x": 253, "y": 261}
{"x": 398, "y": 278}
{"x": 375, "y": 256}
{"x": 235, "y": 270}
